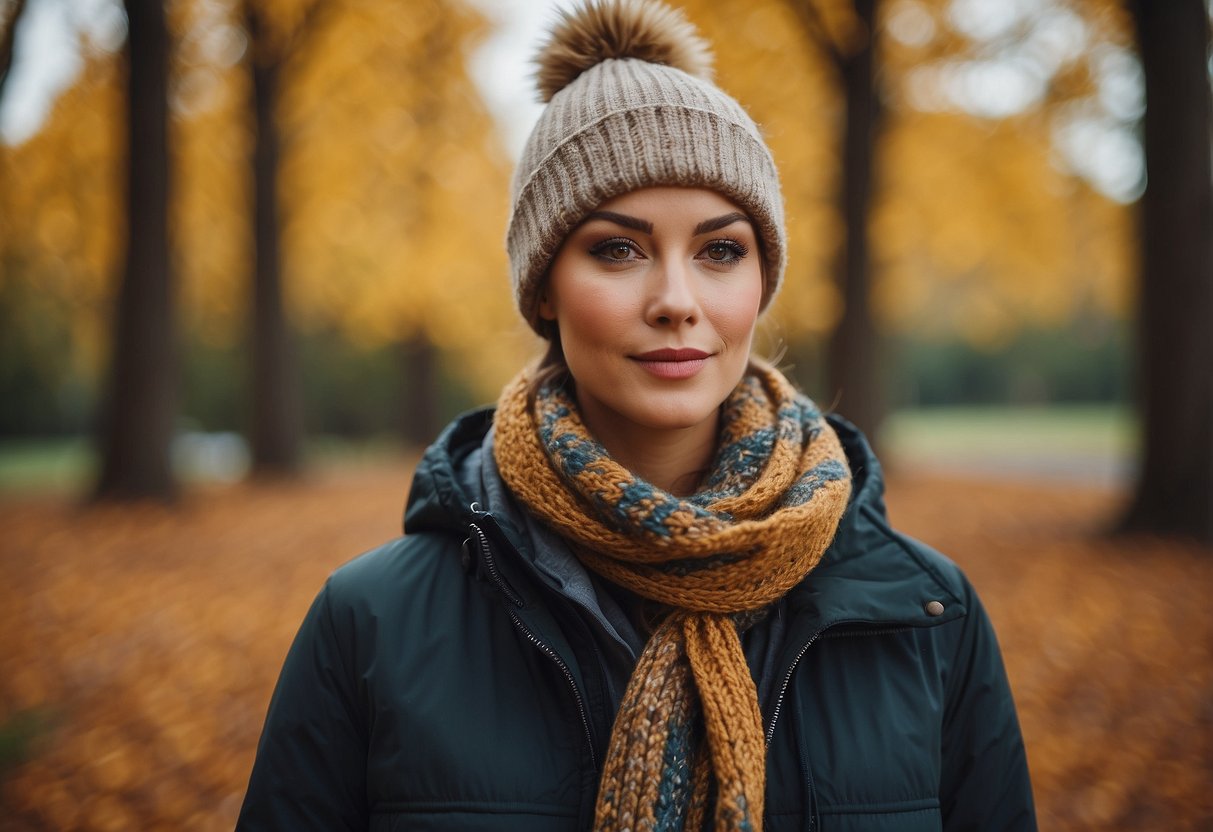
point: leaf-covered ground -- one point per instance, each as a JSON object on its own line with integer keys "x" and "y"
{"x": 138, "y": 647}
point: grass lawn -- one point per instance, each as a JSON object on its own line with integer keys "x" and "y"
{"x": 1059, "y": 429}
{"x": 66, "y": 465}
{"x": 1075, "y": 438}
{"x": 40, "y": 465}
{"x": 1089, "y": 443}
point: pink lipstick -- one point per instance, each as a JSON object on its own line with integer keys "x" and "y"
{"x": 673, "y": 363}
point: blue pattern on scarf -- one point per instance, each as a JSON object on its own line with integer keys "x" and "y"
{"x": 806, "y": 486}
{"x": 673, "y": 795}
{"x": 737, "y": 464}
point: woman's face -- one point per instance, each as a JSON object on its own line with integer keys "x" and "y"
{"x": 656, "y": 295}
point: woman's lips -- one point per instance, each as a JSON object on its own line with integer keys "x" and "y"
{"x": 672, "y": 363}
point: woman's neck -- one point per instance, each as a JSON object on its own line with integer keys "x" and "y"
{"x": 673, "y": 460}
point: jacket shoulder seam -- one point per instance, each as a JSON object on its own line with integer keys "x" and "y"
{"x": 901, "y": 542}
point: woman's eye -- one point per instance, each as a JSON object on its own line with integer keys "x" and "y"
{"x": 617, "y": 251}
{"x": 725, "y": 251}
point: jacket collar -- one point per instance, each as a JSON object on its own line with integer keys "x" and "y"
{"x": 871, "y": 575}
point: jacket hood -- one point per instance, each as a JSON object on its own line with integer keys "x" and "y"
{"x": 440, "y": 498}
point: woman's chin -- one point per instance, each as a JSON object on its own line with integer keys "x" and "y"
{"x": 675, "y": 416}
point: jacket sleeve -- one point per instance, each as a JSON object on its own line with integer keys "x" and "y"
{"x": 985, "y": 784}
{"x": 310, "y": 771}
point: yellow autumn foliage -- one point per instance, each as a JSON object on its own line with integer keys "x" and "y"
{"x": 977, "y": 232}
{"x": 60, "y": 226}
{"x": 394, "y": 187}
{"x": 396, "y": 191}
{"x": 975, "y": 229}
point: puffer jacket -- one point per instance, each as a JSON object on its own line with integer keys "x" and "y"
{"x": 440, "y": 682}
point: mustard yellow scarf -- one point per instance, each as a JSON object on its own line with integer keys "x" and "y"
{"x": 761, "y": 521}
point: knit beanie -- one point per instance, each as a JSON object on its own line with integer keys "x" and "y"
{"x": 630, "y": 105}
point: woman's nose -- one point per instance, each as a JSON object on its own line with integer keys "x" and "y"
{"x": 672, "y": 299}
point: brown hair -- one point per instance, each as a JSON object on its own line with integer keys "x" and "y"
{"x": 550, "y": 368}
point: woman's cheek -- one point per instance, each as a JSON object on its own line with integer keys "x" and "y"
{"x": 598, "y": 316}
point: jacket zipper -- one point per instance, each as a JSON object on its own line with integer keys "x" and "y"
{"x": 486, "y": 551}
{"x": 483, "y": 542}
{"x": 783, "y": 688}
{"x": 822, "y": 633}
{"x": 568, "y": 675}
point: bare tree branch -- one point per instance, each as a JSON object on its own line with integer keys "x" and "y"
{"x": 267, "y": 50}
{"x": 314, "y": 20}
{"x": 814, "y": 26}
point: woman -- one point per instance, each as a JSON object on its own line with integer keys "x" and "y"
{"x": 655, "y": 589}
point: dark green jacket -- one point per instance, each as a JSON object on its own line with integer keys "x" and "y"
{"x": 439, "y": 682}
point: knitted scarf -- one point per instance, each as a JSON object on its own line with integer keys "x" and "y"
{"x": 761, "y": 520}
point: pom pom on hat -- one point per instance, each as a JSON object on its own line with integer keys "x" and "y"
{"x": 599, "y": 31}
{"x": 631, "y": 105}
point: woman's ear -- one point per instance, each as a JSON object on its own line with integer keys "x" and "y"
{"x": 547, "y": 309}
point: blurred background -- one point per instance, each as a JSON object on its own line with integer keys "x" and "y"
{"x": 252, "y": 260}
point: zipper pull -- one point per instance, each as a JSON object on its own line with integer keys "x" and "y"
{"x": 478, "y": 539}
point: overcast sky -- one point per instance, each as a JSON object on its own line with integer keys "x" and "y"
{"x": 502, "y": 67}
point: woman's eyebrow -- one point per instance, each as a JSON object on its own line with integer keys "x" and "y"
{"x": 720, "y": 222}
{"x": 714, "y": 224}
{"x": 634, "y": 223}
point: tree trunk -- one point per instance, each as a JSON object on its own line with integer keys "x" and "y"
{"x": 1174, "y": 488}
{"x": 420, "y": 401}
{"x": 8, "y": 40}
{"x": 420, "y": 422}
{"x": 854, "y": 373}
{"x": 276, "y": 431}
{"x": 137, "y": 422}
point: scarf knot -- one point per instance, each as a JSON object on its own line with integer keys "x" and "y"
{"x": 688, "y": 735}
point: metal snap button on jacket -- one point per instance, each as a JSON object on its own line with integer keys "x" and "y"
{"x": 933, "y": 608}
